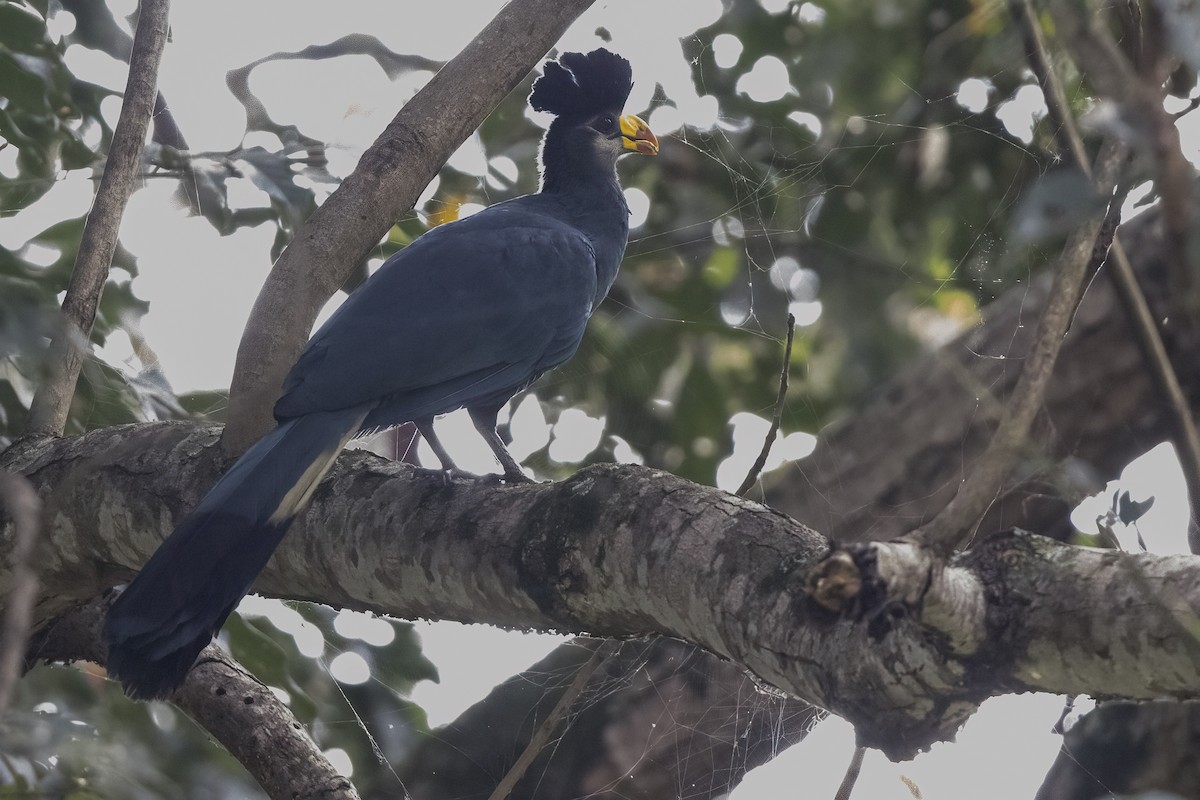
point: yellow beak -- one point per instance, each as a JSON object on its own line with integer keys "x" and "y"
{"x": 637, "y": 136}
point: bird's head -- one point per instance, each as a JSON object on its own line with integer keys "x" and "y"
{"x": 587, "y": 92}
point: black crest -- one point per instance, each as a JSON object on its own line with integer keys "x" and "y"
{"x": 579, "y": 85}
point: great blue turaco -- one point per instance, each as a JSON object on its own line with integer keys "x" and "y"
{"x": 466, "y": 316}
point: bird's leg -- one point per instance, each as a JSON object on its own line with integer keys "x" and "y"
{"x": 449, "y": 468}
{"x": 485, "y": 423}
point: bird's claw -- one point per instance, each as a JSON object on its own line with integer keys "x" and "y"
{"x": 446, "y": 475}
{"x": 449, "y": 475}
{"x": 504, "y": 479}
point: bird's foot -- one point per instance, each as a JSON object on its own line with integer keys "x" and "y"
{"x": 446, "y": 476}
{"x": 451, "y": 474}
{"x": 504, "y": 479}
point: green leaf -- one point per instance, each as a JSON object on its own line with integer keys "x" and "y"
{"x": 26, "y": 81}
{"x": 21, "y": 28}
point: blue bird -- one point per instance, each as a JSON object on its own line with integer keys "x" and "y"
{"x": 466, "y": 316}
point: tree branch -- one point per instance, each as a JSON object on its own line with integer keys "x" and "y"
{"x": 389, "y": 178}
{"x": 52, "y": 402}
{"x": 955, "y": 524}
{"x": 240, "y": 712}
{"x": 755, "y": 471}
{"x": 1156, "y": 743}
{"x": 1057, "y": 107}
{"x": 621, "y": 551}
{"x": 852, "y": 771}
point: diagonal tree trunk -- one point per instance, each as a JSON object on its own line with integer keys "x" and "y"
{"x": 663, "y": 719}
{"x": 1128, "y": 749}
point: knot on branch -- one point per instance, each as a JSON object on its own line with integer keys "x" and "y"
{"x": 847, "y": 581}
{"x": 884, "y": 582}
{"x": 835, "y": 582}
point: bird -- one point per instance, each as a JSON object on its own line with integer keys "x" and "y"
{"x": 465, "y": 316}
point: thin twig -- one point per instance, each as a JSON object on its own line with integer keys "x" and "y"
{"x": 955, "y": 523}
{"x": 1095, "y": 51}
{"x": 1192, "y": 105}
{"x": 777, "y": 417}
{"x": 1057, "y": 109}
{"x": 19, "y": 499}
{"x": 852, "y": 771}
{"x": 52, "y": 403}
{"x": 1129, "y": 291}
{"x": 1080, "y": 257}
{"x": 542, "y": 735}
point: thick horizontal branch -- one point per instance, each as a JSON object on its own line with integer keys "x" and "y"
{"x": 623, "y": 551}
{"x": 995, "y": 604}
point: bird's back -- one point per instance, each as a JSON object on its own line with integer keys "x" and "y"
{"x": 471, "y": 312}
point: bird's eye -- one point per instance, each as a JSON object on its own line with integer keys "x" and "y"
{"x": 606, "y": 124}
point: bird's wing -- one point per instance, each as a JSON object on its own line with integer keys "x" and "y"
{"x": 462, "y": 313}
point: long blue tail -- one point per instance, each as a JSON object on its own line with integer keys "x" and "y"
{"x": 183, "y": 594}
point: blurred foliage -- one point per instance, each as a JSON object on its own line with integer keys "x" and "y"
{"x": 71, "y": 733}
{"x": 46, "y": 106}
{"x": 870, "y": 187}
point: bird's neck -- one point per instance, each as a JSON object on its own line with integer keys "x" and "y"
{"x": 572, "y": 166}
{"x": 592, "y": 202}
{"x": 579, "y": 173}
{"x": 583, "y": 183}
{"x": 599, "y": 211}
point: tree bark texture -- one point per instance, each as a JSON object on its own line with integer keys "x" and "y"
{"x": 886, "y": 635}
{"x": 19, "y": 500}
